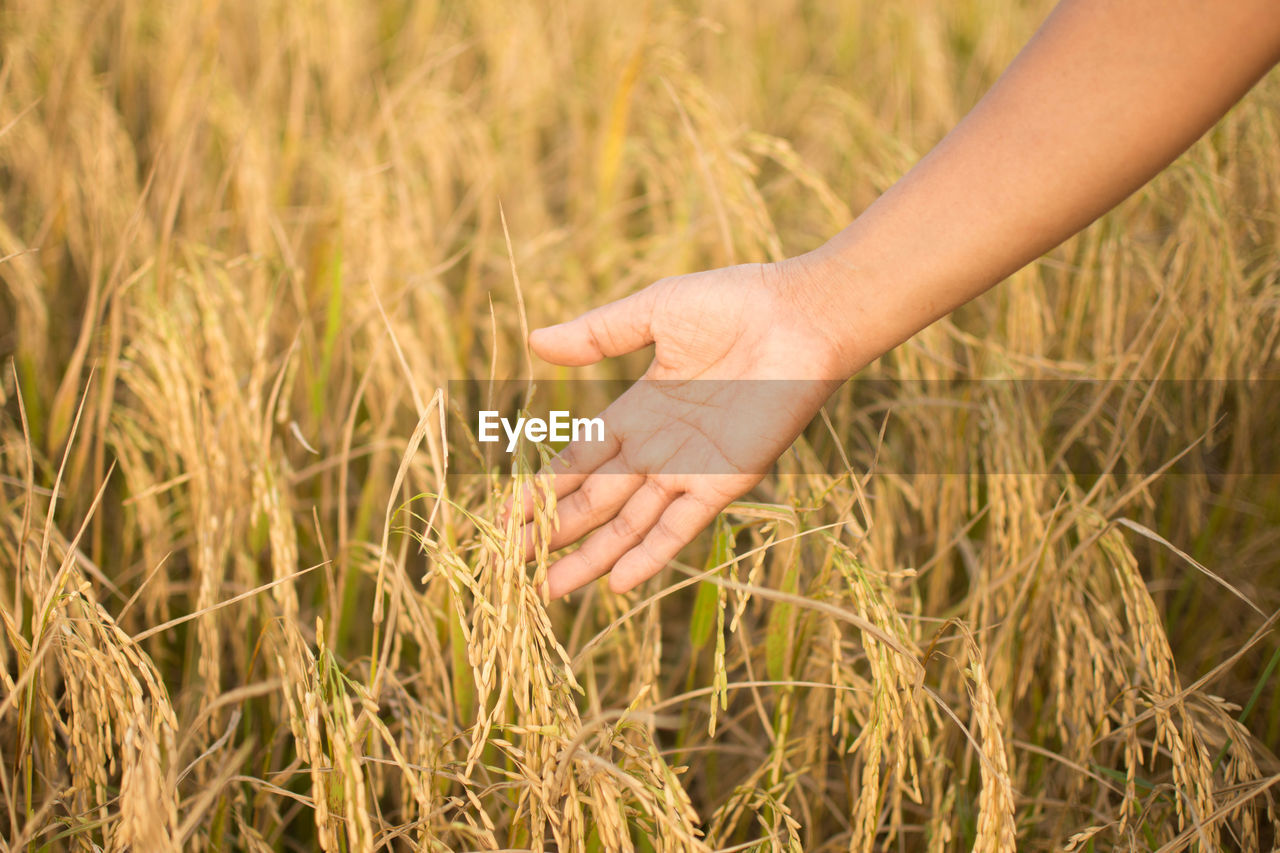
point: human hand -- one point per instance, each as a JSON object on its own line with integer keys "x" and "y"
{"x": 741, "y": 365}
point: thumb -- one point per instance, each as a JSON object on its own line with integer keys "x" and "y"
{"x": 610, "y": 330}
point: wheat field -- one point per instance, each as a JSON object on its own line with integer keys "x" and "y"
{"x": 249, "y": 603}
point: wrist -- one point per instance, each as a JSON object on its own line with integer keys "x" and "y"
{"x": 840, "y": 306}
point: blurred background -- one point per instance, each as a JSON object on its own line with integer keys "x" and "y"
{"x": 244, "y": 247}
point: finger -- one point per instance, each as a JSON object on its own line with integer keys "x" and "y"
{"x": 564, "y": 473}
{"x": 598, "y": 554}
{"x": 558, "y": 478}
{"x": 684, "y": 519}
{"x": 610, "y": 330}
{"x": 600, "y": 497}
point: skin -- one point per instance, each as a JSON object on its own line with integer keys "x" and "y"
{"x": 1106, "y": 94}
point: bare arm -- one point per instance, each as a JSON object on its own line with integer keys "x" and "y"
{"x": 1107, "y": 94}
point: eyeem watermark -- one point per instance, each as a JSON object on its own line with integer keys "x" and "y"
{"x": 559, "y": 426}
{"x": 1080, "y": 427}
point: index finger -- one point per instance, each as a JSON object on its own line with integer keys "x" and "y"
{"x": 564, "y": 472}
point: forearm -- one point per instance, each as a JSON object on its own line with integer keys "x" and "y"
{"x": 1105, "y": 96}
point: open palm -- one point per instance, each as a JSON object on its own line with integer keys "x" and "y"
{"x": 737, "y": 373}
